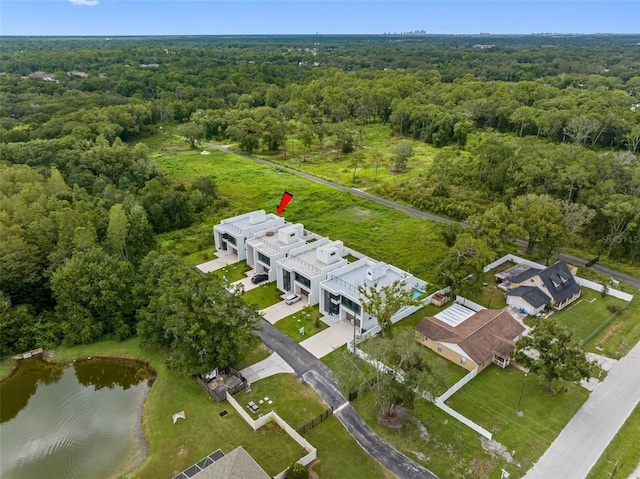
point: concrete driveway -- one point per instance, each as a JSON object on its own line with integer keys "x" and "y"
{"x": 222, "y": 261}
{"x": 274, "y": 364}
{"x": 246, "y": 282}
{"x": 280, "y": 310}
{"x": 321, "y": 344}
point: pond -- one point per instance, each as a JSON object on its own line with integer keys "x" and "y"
{"x": 80, "y": 420}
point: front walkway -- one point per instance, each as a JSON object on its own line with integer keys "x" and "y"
{"x": 280, "y": 310}
{"x": 274, "y": 364}
{"x": 324, "y": 342}
{"x": 222, "y": 261}
{"x": 584, "y": 439}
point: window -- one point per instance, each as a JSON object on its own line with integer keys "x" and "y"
{"x": 352, "y": 305}
{"x": 302, "y": 280}
{"x": 229, "y": 238}
{"x": 463, "y": 360}
{"x": 439, "y": 347}
{"x": 286, "y": 280}
{"x": 264, "y": 259}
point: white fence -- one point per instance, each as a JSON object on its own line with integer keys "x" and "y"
{"x": 456, "y": 387}
{"x": 467, "y": 303}
{"x": 273, "y": 416}
{"x": 429, "y": 397}
{"x": 582, "y": 282}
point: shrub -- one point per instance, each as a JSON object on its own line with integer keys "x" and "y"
{"x": 297, "y": 471}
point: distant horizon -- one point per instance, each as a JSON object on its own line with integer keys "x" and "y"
{"x": 143, "y": 18}
{"x": 406, "y": 34}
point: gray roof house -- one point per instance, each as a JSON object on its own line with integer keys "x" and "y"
{"x": 555, "y": 285}
{"x": 238, "y": 464}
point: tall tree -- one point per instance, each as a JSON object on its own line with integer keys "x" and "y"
{"x": 117, "y": 231}
{"x": 404, "y": 151}
{"x": 542, "y": 221}
{"x": 462, "y": 267}
{"x": 553, "y": 352}
{"x": 204, "y": 325}
{"x": 382, "y": 302}
{"x": 404, "y": 372}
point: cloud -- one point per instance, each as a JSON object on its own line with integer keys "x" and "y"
{"x": 87, "y": 3}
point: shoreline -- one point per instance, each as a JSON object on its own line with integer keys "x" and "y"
{"x": 141, "y": 452}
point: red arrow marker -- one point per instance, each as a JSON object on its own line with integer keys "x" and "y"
{"x": 286, "y": 197}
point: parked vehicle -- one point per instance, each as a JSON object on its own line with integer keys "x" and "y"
{"x": 292, "y": 298}
{"x": 259, "y": 278}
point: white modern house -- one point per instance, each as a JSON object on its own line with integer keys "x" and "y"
{"x": 267, "y": 247}
{"x": 306, "y": 266}
{"x": 231, "y": 234}
{"x": 340, "y": 299}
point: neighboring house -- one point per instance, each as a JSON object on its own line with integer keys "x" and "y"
{"x": 528, "y": 299}
{"x": 306, "y": 266}
{"x": 340, "y": 298}
{"x": 555, "y": 282}
{"x": 231, "y": 234}
{"x": 267, "y": 247}
{"x": 475, "y": 341}
{"x": 78, "y": 74}
{"x": 237, "y": 464}
{"x": 43, "y": 76}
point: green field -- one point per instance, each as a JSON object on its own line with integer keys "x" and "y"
{"x": 233, "y": 272}
{"x": 588, "y": 312}
{"x": 381, "y": 232}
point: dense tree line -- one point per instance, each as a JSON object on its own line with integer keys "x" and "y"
{"x": 538, "y": 138}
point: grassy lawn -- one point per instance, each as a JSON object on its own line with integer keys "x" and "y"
{"x": 588, "y": 312}
{"x": 264, "y": 295}
{"x": 200, "y": 256}
{"x": 413, "y": 319}
{"x": 256, "y": 355}
{"x": 295, "y": 402}
{"x": 491, "y": 400}
{"x": 623, "y": 449}
{"x": 340, "y": 456}
{"x": 291, "y": 324}
{"x": 173, "y": 447}
{"x": 233, "y": 272}
{"x": 620, "y": 335}
{"x": 437, "y": 441}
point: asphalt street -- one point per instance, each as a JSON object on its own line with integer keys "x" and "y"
{"x": 318, "y": 375}
{"x": 584, "y": 439}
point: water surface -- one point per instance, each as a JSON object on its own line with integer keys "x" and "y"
{"x": 72, "y": 421}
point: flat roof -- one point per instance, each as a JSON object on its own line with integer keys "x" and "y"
{"x": 307, "y": 262}
{"x": 350, "y": 280}
{"x": 455, "y": 314}
{"x": 243, "y": 222}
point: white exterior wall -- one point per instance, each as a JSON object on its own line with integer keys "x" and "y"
{"x": 520, "y": 304}
{"x": 238, "y": 227}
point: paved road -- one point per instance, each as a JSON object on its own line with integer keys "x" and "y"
{"x": 321, "y": 379}
{"x": 415, "y": 212}
{"x": 583, "y": 440}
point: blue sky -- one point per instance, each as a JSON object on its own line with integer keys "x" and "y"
{"x": 217, "y": 17}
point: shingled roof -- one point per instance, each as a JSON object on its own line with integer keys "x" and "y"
{"x": 487, "y": 332}
{"x": 532, "y": 295}
{"x": 559, "y": 281}
{"x": 237, "y": 464}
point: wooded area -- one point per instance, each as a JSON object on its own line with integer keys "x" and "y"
{"x": 537, "y": 137}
